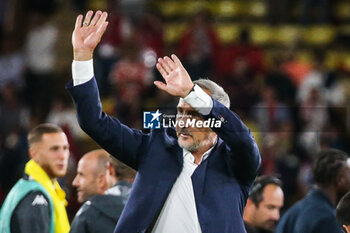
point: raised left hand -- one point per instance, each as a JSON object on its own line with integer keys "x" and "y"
{"x": 177, "y": 80}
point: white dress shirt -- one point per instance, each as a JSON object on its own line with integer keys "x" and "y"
{"x": 179, "y": 213}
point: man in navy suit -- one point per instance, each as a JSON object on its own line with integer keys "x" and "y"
{"x": 315, "y": 213}
{"x": 191, "y": 179}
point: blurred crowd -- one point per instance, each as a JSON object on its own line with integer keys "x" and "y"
{"x": 294, "y": 107}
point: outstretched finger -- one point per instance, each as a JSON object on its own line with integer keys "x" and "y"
{"x": 165, "y": 64}
{"x": 88, "y": 18}
{"x": 102, "y": 19}
{"x": 161, "y": 70}
{"x": 78, "y": 21}
{"x": 177, "y": 61}
{"x": 170, "y": 63}
{"x": 96, "y": 18}
{"x": 101, "y": 29}
{"x": 160, "y": 85}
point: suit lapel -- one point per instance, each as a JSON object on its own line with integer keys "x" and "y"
{"x": 199, "y": 175}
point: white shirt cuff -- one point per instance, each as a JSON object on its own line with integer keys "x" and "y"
{"x": 199, "y": 100}
{"x": 82, "y": 71}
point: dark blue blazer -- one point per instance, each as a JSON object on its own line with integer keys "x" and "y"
{"x": 313, "y": 214}
{"x": 221, "y": 183}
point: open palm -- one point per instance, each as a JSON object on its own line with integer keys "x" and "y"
{"x": 87, "y": 35}
{"x": 177, "y": 80}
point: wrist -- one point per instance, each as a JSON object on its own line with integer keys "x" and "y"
{"x": 188, "y": 92}
{"x": 82, "y": 55}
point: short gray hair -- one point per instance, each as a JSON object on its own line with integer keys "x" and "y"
{"x": 217, "y": 92}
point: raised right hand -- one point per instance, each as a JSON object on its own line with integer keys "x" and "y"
{"x": 87, "y": 34}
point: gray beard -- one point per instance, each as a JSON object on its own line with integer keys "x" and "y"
{"x": 191, "y": 148}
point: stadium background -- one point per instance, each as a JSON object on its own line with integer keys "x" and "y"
{"x": 285, "y": 65}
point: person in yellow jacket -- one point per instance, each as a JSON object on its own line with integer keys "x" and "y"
{"x": 37, "y": 203}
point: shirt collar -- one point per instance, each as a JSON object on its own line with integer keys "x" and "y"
{"x": 188, "y": 155}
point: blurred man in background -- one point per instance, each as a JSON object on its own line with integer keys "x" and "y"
{"x": 37, "y": 203}
{"x": 262, "y": 212}
{"x": 343, "y": 212}
{"x": 104, "y": 184}
{"x": 316, "y": 212}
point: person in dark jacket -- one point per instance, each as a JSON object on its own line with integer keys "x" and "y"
{"x": 343, "y": 212}
{"x": 316, "y": 212}
{"x": 262, "y": 212}
{"x": 104, "y": 185}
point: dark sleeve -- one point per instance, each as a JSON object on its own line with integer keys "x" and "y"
{"x": 245, "y": 157}
{"x": 327, "y": 225}
{"x": 282, "y": 225}
{"x": 119, "y": 140}
{"x": 79, "y": 223}
{"x": 32, "y": 214}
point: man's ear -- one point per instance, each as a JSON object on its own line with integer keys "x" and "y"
{"x": 111, "y": 170}
{"x": 102, "y": 181}
{"x": 341, "y": 180}
{"x": 32, "y": 152}
{"x": 250, "y": 204}
{"x": 101, "y": 178}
